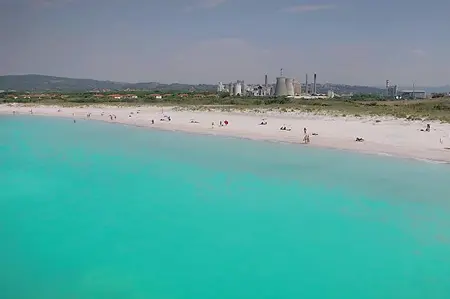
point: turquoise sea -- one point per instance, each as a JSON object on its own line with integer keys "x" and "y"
{"x": 99, "y": 211}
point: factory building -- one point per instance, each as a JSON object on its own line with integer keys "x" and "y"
{"x": 392, "y": 91}
{"x": 413, "y": 94}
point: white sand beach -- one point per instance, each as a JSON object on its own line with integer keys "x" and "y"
{"x": 381, "y": 135}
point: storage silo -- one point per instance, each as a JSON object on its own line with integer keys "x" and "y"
{"x": 297, "y": 88}
{"x": 237, "y": 89}
{"x": 230, "y": 89}
{"x": 243, "y": 88}
{"x": 290, "y": 86}
{"x": 280, "y": 87}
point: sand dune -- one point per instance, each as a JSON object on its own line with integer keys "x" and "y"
{"x": 381, "y": 135}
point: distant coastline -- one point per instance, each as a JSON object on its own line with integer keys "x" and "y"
{"x": 43, "y": 83}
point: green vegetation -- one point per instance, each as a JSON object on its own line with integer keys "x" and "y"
{"x": 431, "y": 109}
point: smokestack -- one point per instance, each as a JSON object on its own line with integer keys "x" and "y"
{"x": 306, "y": 85}
{"x": 265, "y": 81}
{"x": 314, "y": 84}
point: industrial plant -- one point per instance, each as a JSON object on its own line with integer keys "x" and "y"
{"x": 282, "y": 87}
{"x": 393, "y": 93}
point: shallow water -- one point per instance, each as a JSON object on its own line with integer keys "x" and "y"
{"x": 95, "y": 210}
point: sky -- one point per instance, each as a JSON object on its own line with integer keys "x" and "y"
{"x": 361, "y": 42}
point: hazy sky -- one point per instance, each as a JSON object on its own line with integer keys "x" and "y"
{"x": 205, "y": 41}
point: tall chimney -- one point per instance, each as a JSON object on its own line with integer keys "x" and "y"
{"x": 306, "y": 85}
{"x": 265, "y": 81}
{"x": 314, "y": 84}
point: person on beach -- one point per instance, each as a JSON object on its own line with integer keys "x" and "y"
{"x": 306, "y": 139}
{"x": 427, "y": 129}
{"x": 212, "y": 125}
{"x": 304, "y": 131}
{"x": 153, "y": 121}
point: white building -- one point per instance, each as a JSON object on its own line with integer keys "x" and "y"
{"x": 330, "y": 94}
{"x": 220, "y": 87}
{"x": 413, "y": 94}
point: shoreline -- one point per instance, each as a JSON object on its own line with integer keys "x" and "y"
{"x": 383, "y": 136}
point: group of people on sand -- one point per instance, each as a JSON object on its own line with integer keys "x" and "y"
{"x": 221, "y": 123}
{"x": 166, "y": 118}
{"x": 306, "y": 138}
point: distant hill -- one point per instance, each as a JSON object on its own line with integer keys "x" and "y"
{"x": 440, "y": 89}
{"x": 43, "y": 83}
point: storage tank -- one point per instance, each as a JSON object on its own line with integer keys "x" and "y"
{"x": 230, "y": 89}
{"x": 243, "y": 88}
{"x": 297, "y": 88}
{"x": 280, "y": 87}
{"x": 290, "y": 86}
{"x": 237, "y": 89}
